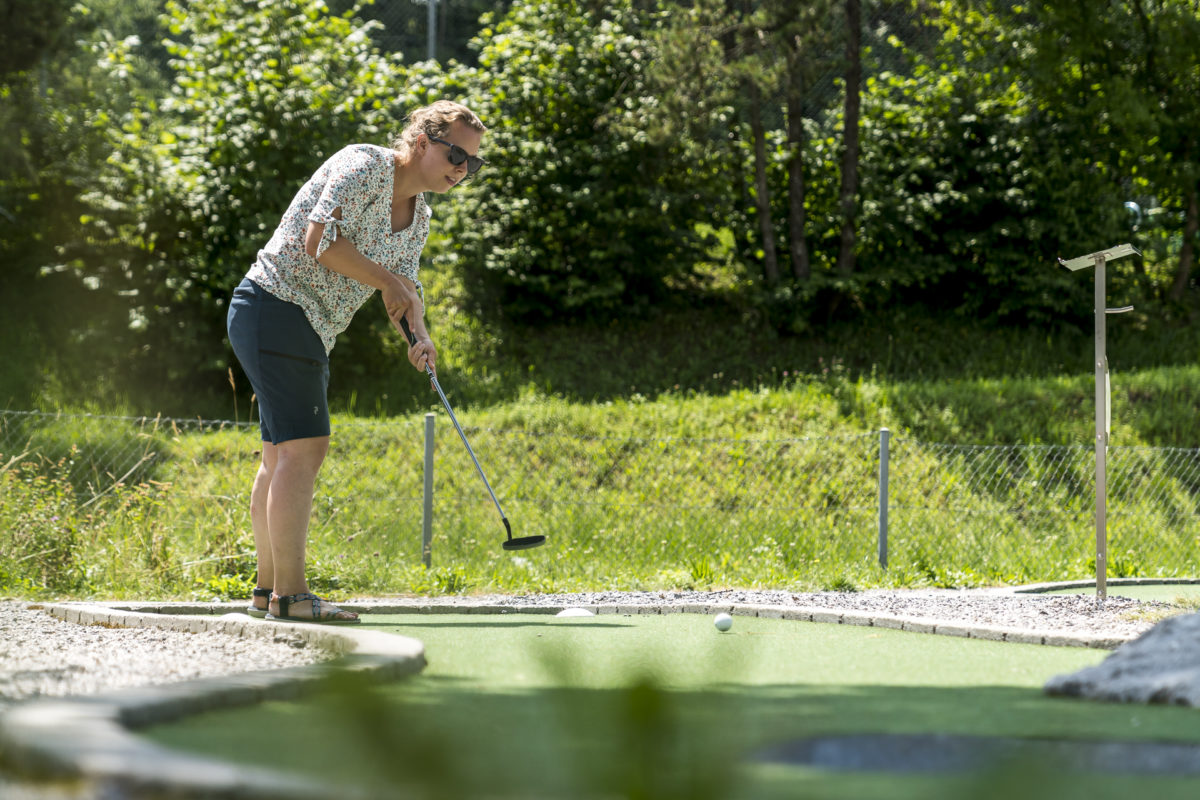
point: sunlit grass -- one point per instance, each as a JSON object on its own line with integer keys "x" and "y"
{"x": 753, "y": 488}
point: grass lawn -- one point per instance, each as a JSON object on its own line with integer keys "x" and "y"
{"x": 665, "y": 706}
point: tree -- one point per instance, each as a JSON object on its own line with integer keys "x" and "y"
{"x": 716, "y": 64}
{"x": 973, "y": 184}
{"x": 200, "y": 170}
{"x": 1124, "y": 76}
{"x": 46, "y": 151}
{"x": 779, "y": 49}
{"x": 583, "y": 214}
{"x": 31, "y": 30}
{"x": 806, "y": 29}
{"x": 848, "y": 195}
{"x": 746, "y": 51}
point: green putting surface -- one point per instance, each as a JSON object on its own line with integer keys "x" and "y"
{"x": 1179, "y": 593}
{"x": 665, "y": 706}
{"x": 686, "y": 651}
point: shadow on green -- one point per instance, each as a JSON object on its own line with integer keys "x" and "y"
{"x": 587, "y": 711}
{"x": 437, "y": 738}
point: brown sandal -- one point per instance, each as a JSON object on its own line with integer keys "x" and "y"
{"x": 254, "y": 610}
{"x": 321, "y": 614}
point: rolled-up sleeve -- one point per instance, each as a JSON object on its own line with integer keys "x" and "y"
{"x": 329, "y": 235}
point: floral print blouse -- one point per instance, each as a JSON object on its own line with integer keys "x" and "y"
{"x": 358, "y": 180}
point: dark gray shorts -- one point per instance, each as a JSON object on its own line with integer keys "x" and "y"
{"x": 285, "y": 361}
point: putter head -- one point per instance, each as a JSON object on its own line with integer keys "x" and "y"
{"x": 524, "y": 543}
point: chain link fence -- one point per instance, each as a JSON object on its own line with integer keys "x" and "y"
{"x": 683, "y": 510}
{"x": 1016, "y": 512}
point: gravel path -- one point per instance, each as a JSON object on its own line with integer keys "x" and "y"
{"x": 41, "y": 656}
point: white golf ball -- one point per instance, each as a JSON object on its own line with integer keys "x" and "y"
{"x": 723, "y": 622}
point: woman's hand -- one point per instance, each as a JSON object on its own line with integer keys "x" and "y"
{"x": 402, "y": 302}
{"x": 423, "y": 354}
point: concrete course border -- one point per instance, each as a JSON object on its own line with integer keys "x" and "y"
{"x": 91, "y": 737}
{"x": 1042, "y": 588}
{"x": 820, "y": 614}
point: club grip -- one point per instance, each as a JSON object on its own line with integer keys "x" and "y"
{"x": 408, "y": 334}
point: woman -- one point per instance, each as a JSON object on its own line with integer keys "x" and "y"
{"x": 357, "y": 226}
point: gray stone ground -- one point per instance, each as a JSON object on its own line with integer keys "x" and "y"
{"x": 41, "y": 656}
{"x": 1064, "y": 614}
{"x": 82, "y": 790}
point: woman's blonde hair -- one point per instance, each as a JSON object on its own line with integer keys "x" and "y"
{"x": 435, "y": 119}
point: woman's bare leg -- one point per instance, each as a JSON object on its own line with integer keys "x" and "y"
{"x": 289, "y": 506}
{"x": 258, "y": 522}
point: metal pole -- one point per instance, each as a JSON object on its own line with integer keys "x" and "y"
{"x": 884, "y": 437}
{"x": 427, "y": 516}
{"x": 431, "y": 28}
{"x": 1103, "y": 400}
{"x": 1101, "y": 435}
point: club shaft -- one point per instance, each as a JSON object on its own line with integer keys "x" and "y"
{"x": 412, "y": 340}
{"x": 446, "y": 403}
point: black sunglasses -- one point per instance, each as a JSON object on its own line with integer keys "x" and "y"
{"x": 457, "y": 156}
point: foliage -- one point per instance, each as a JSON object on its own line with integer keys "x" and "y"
{"x": 145, "y": 175}
{"x": 975, "y": 187}
{"x": 31, "y": 30}
{"x": 1111, "y": 82}
{"x": 51, "y": 146}
{"x": 42, "y": 531}
{"x": 405, "y": 26}
{"x": 257, "y": 95}
{"x": 577, "y": 219}
{"x": 714, "y": 63}
{"x": 970, "y": 191}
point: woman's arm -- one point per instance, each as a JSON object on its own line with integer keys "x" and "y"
{"x": 400, "y": 297}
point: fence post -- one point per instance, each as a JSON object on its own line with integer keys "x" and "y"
{"x": 884, "y": 437}
{"x": 427, "y": 495}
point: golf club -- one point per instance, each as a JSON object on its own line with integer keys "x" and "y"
{"x": 522, "y": 543}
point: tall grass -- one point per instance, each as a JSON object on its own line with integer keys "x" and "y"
{"x": 753, "y": 487}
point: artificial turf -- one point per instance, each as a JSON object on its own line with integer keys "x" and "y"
{"x": 665, "y": 706}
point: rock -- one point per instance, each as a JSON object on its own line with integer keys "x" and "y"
{"x": 1160, "y": 666}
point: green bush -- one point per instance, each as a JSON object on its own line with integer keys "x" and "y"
{"x": 203, "y": 161}
{"x": 576, "y": 218}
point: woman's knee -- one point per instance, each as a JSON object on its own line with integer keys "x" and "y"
{"x": 302, "y": 454}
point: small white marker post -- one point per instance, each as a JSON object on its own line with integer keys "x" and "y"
{"x": 1103, "y": 397}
